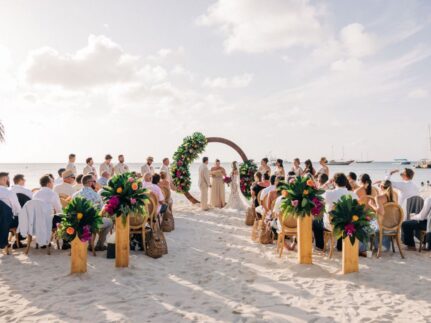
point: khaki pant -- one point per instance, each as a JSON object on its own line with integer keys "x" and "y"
{"x": 204, "y": 197}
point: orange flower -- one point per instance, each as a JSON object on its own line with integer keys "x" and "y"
{"x": 310, "y": 183}
{"x": 284, "y": 193}
{"x": 70, "y": 231}
{"x": 119, "y": 190}
{"x": 79, "y": 216}
{"x": 355, "y": 218}
{"x": 305, "y": 192}
{"x": 135, "y": 186}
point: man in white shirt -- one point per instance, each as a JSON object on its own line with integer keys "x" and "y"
{"x": 7, "y": 196}
{"x": 71, "y": 165}
{"x": 406, "y": 187}
{"x": 106, "y": 166}
{"x": 67, "y": 188}
{"x": 296, "y": 168}
{"x": 331, "y": 197}
{"x": 121, "y": 167}
{"x": 148, "y": 168}
{"x": 89, "y": 168}
{"x": 204, "y": 183}
{"x": 166, "y": 170}
{"x": 417, "y": 222}
{"x": 47, "y": 194}
{"x": 59, "y": 179}
{"x": 18, "y": 187}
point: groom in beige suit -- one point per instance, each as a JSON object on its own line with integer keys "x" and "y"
{"x": 204, "y": 183}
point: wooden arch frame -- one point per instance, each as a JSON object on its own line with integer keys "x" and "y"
{"x": 227, "y": 142}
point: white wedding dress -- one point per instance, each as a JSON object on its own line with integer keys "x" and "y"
{"x": 236, "y": 200}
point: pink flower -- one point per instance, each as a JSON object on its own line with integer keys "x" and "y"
{"x": 350, "y": 229}
{"x": 132, "y": 201}
{"x": 295, "y": 203}
{"x": 368, "y": 218}
{"x": 291, "y": 181}
{"x": 179, "y": 163}
{"x": 86, "y": 234}
{"x": 131, "y": 179}
{"x": 178, "y": 173}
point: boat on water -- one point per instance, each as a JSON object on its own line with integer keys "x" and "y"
{"x": 364, "y": 161}
{"x": 340, "y": 162}
{"x": 423, "y": 163}
{"x": 402, "y": 161}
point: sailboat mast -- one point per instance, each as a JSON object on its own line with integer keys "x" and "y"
{"x": 429, "y": 135}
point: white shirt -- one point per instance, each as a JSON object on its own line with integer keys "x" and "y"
{"x": 147, "y": 169}
{"x": 121, "y": 168}
{"x": 331, "y": 197}
{"x": 277, "y": 204}
{"x": 89, "y": 169}
{"x": 72, "y": 167}
{"x": 21, "y": 189}
{"x": 406, "y": 189}
{"x": 104, "y": 167}
{"x": 266, "y": 191}
{"x": 49, "y": 196}
{"x": 10, "y": 199}
{"x": 166, "y": 169}
{"x": 58, "y": 181}
{"x": 65, "y": 188}
{"x": 423, "y": 215}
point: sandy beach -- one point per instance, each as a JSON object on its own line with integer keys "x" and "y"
{"x": 214, "y": 273}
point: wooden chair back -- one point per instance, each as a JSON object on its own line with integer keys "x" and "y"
{"x": 258, "y": 197}
{"x": 289, "y": 222}
{"x": 153, "y": 205}
{"x": 166, "y": 193}
{"x": 392, "y": 218}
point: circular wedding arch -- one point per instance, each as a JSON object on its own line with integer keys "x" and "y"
{"x": 227, "y": 142}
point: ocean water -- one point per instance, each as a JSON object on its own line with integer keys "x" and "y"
{"x": 377, "y": 171}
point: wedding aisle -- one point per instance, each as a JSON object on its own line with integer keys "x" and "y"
{"x": 213, "y": 272}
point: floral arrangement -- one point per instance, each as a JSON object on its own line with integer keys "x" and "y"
{"x": 351, "y": 219}
{"x": 247, "y": 170}
{"x": 227, "y": 180}
{"x": 186, "y": 153}
{"x": 124, "y": 194}
{"x": 81, "y": 219}
{"x": 301, "y": 197}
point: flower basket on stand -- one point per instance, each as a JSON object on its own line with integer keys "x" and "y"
{"x": 302, "y": 200}
{"x": 124, "y": 196}
{"x": 351, "y": 222}
{"x": 77, "y": 226}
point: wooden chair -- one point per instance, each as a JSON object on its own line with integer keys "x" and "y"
{"x": 422, "y": 240}
{"x": 390, "y": 226}
{"x": 255, "y": 229}
{"x": 328, "y": 236}
{"x": 138, "y": 227}
{"x": 289, "y": 228}
{"x": 14, "y": 234}
{"x": 168, "y": 197}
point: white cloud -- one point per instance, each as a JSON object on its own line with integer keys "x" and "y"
{"x": 418, "y": 93}
{"x": 235, "y": 82}
{"x": 258, "y": 26}
{"x": 101, "y": 62}
{"x": 347, "y": 65}
{"x": 357, "y": 42}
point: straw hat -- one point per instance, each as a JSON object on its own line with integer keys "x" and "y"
{"x": 68, "y": 173}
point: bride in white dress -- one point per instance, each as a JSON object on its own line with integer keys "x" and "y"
{"x": 236, "y": 200}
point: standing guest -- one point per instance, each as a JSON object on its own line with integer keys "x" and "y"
{"x": 324, "y": 169}
{"x": 166, "y": 170}
{"x": 352, "y": 178}
{"x": 366, "y": 187}
{"x": 204, "y": 183}
{"x": 18, "y": 187}
{"x": 103, "y": 179}
{"x": 121, "y": 167}
{"x": 279, "y": 169}
{"x": 309, "y": 169}
{"x": 148, "y": 167}
{"x": 164, "y": 181}
{"x": 78, "y": 184}
{"x": 331, "y": 197}
{"x": 88, "y": 192}
{"x": 7, "y": 196}
{"x": 71, "y": 165}
{"x": 296, "y": 167}
{"x": 264, "y": 168}
{"x": 89, "y": 167}
{"x": 417, "y": 222}
{"x": 66, "y": 188}
{"x": 59, "y": 179}
{"x": 217, "y": 185}
{"x": 106, "y": 166}
{"x": 406, "y": 188}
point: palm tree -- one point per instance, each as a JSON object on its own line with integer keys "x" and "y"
{"x": 1, "y": 132}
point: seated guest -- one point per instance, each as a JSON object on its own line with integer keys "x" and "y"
{"x": 296, "y": 167}
{"x": 18, "y": 187}
{"x": 106, "y": 166}
{"x": 103, "y": 179}
{"x": 366, "y": 187}
{"x": 256, "y": 187}
{"x": 164, "y": 182}
{"x": 59, "y": 180}
{"x": 162, "y": 203}
{"x": 88, "y": 192}
{"x": 417, "y": 222}
{"x": 264, "y": 168}
{"x": 322, "y": 181}
{"x": 66, "y": 188}
{"x": 272, "y": 187}
{"x": 148, "y": 184}
{"x": 406, "y": 187}
{"x": 121, "y": 167}
{"x": 331, "y": 197}
{"x": 324, "y": 169}
{"x": 309, "y": 169}
{"x": 7, "y": 196}
{"x": 266, "y": 180}
{"x": 290, "y": 175}
{"x": 78, "y": 185}
{"x": 352, "y": 177}
{"x": 89, "y": 167}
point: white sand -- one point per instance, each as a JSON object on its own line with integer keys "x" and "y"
{"x": 213, "y": 272}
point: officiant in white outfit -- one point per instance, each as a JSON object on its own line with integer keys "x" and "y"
{"x": 204, "y": 183}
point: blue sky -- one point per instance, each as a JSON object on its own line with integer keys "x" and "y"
{"x": 290, "y": 77}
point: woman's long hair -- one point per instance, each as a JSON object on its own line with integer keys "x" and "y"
{"x": 234, "y": 167}
{"x": 280, "y": 163}
{"x": 366, "y": 180}
{"x": 309, "y": 166}
{"x": 389, "y": 191}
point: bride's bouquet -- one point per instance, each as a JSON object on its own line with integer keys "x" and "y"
{"x": 227, "y": 180}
